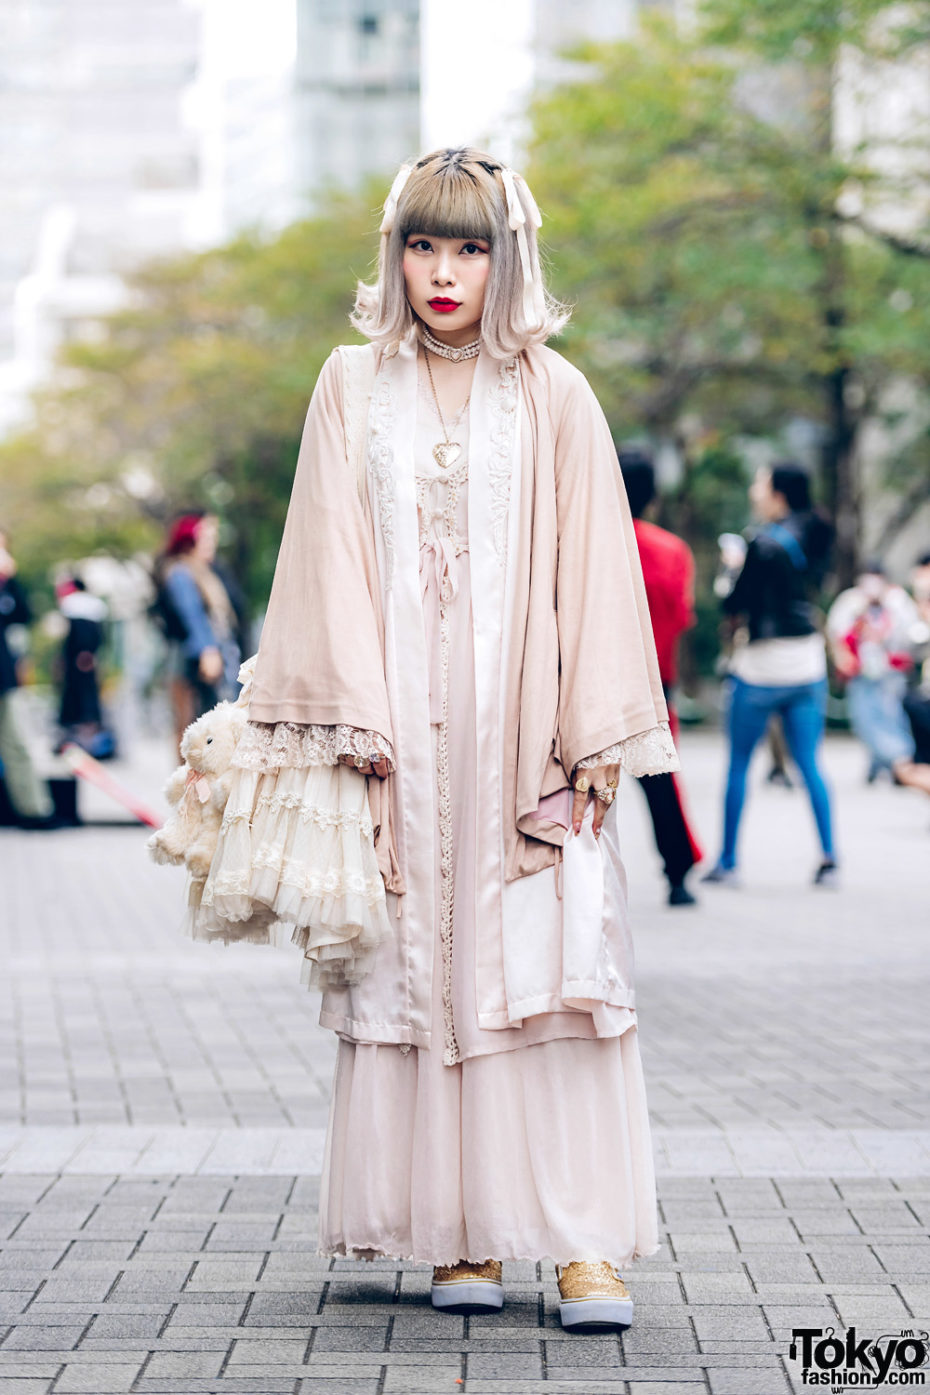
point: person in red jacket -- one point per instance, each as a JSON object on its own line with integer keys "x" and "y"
{"x": 668, "y": 571}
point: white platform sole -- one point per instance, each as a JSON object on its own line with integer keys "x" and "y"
{"x": 596, "y": 1312}
{"x": 468, "y": 1293}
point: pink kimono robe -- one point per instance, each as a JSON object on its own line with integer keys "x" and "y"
{"x": 521, "y": 960}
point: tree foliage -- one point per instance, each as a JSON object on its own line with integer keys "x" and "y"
{"x": 733, "y": 257}
{"x": 192, "y": 396}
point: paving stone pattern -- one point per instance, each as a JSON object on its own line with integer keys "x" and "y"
{"x": 786, "y": 1043}
{"x": 190, "y": 1284}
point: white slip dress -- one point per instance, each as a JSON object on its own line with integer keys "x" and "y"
{"x": 535, "y": 1144}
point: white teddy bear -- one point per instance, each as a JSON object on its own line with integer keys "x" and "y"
{"x": 199, "y": 789}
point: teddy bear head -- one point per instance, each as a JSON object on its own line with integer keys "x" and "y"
{"x": 208, "y": 744}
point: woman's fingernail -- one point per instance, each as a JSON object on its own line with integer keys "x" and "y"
{"x": 577, "y": 827}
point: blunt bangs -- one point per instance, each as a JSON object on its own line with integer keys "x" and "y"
{"x": 453, "y": 202}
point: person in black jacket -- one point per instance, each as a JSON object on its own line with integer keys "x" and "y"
{"x": 782, "y": 668}
{"x": 27, "y": 794}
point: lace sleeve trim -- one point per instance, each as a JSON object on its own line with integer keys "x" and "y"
{"x": 267, "y": 746}
{"x": 647, "y": 753}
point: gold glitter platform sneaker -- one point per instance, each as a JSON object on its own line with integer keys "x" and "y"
{"x": 593, "y": 1295}
{"x": 467, "y": 1285}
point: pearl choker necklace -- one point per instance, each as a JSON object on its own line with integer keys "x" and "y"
{"x": 437, "y": 347}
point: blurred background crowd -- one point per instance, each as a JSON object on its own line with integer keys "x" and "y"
{"x": 736, "y": 203}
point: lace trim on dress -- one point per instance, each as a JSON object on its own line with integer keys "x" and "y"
{"x": 317, "y": 814}
{"x": 447, "y": 512}
{"x": 438, "y": 524}
{"x": 450, "y": 1054}
{"x": 503, "y": 400}
{"x": 266, "y": 746}
{"x": 647, "y": 753}
{"x": 381, "y": 467}
{"x": 296, "y": 876}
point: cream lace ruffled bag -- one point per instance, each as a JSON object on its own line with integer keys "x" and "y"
{"x": 296, "y": 848}
{"x": 296, "y": 853}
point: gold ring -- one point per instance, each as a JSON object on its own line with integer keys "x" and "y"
{"x": 361, "y": 761}
{"x": 606, "y": 795}
{"x": 583, "y": 784}
{"x": 612, "y": 784}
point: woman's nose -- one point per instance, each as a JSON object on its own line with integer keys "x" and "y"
{"x": 443, "y": 272}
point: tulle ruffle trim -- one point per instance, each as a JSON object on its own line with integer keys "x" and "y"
{"x": 647, "y": 753}
{"x": 296, "y": 858}
{"x": 267, "y": 746}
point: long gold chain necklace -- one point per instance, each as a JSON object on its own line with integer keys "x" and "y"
{"x": 447, "y": 451}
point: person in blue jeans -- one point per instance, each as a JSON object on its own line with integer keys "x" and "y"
{"x": 870, "y": 629}
{"x": 782, "y": 667}
{"x": 197, "y": 610}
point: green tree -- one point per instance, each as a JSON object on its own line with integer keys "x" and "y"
{"x": 726, "y": 256}
{"x": 192, "y": 396}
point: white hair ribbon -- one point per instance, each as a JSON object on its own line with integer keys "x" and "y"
{"x": 533, "y": 299}
{"x": 390, "y": 203}
{"x": 535, "y": 215}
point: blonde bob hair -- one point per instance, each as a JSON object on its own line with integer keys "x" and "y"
{"x": 464, "y": 193}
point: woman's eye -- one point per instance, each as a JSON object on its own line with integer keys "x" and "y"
{"x": 471, "y": 248}
{"x": 421, "y": 245}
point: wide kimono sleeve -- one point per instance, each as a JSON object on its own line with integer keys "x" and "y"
{"x": 611, "y": 704}
{"x": 321, "y": 655}
{"x": 306, "y": 842}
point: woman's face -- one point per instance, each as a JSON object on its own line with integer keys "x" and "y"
{"x": 766, "y": 504}
{"x": 208, "y": 533}
{"x": 446, "y": 279}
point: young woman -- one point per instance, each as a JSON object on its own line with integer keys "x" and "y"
{"x": 471, "y": 632}
{"x": 199, "y": 619}
{"x": 783, "y": 667}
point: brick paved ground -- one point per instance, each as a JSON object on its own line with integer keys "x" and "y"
{"x": 163, "y": 1107}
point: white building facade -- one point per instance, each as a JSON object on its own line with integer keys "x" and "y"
{"x": 98, "y": 168}
{"x": 357, "y": 89}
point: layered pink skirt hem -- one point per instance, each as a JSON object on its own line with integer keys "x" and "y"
{"x": 539, "y": 1153}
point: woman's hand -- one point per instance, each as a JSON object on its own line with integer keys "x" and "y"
{"x": 210, "y": 665}
{"x": 380, "y": 767}
{"x": 588, "y": 782}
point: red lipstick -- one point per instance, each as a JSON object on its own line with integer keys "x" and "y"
{"x": 443, "y": 306}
